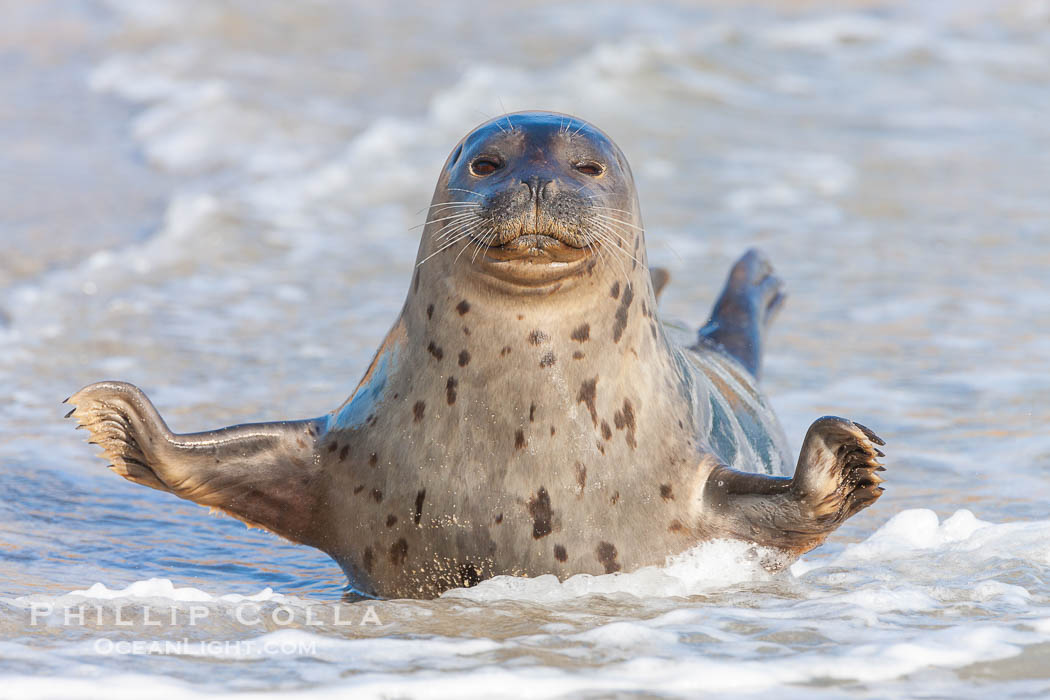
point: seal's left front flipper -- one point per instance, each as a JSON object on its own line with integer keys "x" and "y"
{"x": 835, "y": 478}
{"x": 264, "y": 474}
{"x": 836, "y": 473}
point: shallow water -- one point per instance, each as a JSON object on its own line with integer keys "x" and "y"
{"x": 215, "y": 201}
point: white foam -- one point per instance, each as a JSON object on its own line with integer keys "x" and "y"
{"x": 919, "y": 532}
{"x": 711, "y": 565}
{"x": 157, "y": 589}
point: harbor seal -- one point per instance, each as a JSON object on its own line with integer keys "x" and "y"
{"x": 527, "y": 413}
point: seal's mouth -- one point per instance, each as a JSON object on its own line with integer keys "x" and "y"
{"x": 534, "y": 260}
{"x": 538, "y": 248}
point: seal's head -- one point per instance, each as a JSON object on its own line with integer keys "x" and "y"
{"x": 531, "y": 201}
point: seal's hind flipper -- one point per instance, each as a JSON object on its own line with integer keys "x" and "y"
{"x": 752, "y": 296}
{"x": 660, "y": 277}
{"x": 265, "y": 474}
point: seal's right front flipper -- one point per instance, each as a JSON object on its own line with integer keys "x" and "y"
{"x": 264, "y": 474}
{"x": 835, "y": 478}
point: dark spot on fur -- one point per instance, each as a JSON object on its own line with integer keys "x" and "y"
{"x": 333, "y": 447}
{"x": 344, "y": 452}
{"x": 615, "y": 498}
{"x": 676, "y": 526}
{"x": 373, "y": 459}
{"x": 600, "y": 446}
{"x": 469, "y": 575}
{"x": 466, "y": 330}
{"x": 582, "y": 333}
{"x": 395, "y": 396}
{"x": 415, "y": 281}
{"x": 434, "y": 350}
{"x": 537, "y": 337}
{"x": 359, "y": 488}
{"x": 547, "y": 360}
{"x": 420, "y": 495}
{"x": 532, "y": 412}
{"x": 621, "y": 313}
{"x": 577, "y": 355}
{"x": 586, "y": 395}
{"x": 606, "y": 430}
{"x": 559, "y": 553}
{"x": 398, "y": 552}
{"x": 652, "y": 329}
{"x": 464, "y": 358}
{"x": 368, "y": 559}
{"x": 310, "y": 431}
{"x": 499, "y": 518}
{"x": 450, "y": 390}
{"x": 377, "y": 495}
{"x": 463, "y": 307}
{"x": 666, "y": 492}
{"x": 680, "y": 425}
{"x": 552, "y": 431}
{"x": 606, "y": 553}
{"x": 540, "y": 510}
{"x": 521, "y": 317}
{"x": 418, "y": 410}
{"x": 615, "y": 291}
{"x": 581, "y": 477}
{"x": 391, "y": 520}
{"x": 300, "y": 443}
{"x": 505, "y": 351}
{"x": 430, "y": 311}
{"x": 628, "y": 416}
{"x": 624, "y": 419}
{"x": 519, "y": 440}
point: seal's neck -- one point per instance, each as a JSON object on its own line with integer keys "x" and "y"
{"x": 558, "y": 352}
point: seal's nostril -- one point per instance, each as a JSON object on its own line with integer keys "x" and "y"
{"x": 539, "y": 188}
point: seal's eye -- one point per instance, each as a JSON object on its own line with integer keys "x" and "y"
{"x": 486, "y": 165}
{"x": 589, "y": 167}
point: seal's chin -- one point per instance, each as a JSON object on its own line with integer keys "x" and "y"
{"x": 534, "y": 260}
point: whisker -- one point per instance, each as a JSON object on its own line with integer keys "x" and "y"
{"x": 449, "y": 204}
{"x": 454, "y": 219}
{"x": 612, "y": 209}
{"x": 620, "y": 221}
{"x": 601, "y": 226}
{"x": 462, "y": 229}
{"x": 446, "y": 246}
{"x": 607, "y": 242}
{"x": 454, "y": 236}
{"x": 453, "y": 229}
{"x": 445, "y": 218}
{"x": 622, "y": 235}
{"x": 509, "y": 122}
{"x": 465, "y": 246}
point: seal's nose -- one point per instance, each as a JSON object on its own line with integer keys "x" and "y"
{"x": 539, "y": 187}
